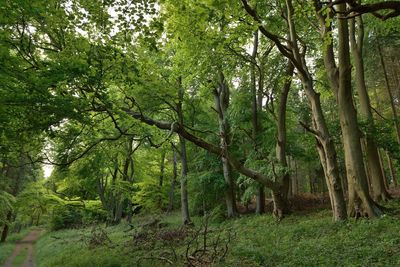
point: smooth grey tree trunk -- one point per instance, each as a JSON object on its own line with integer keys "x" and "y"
{"x": 360, "y": 202}
{"x": 221, "y": 97}
{"x": 184, "y": 168}
{"x": 281, "y": 135}
{"x": 173, "y": 180}
{"x": 184, "y": 193}
{"x": 260, "y": 194}
{"x": 389, "y": 91}
{"x": 161, "y": 177}
{"x": 325, "y": 146}
{"x": 392, "y": 169}
{"x": 376, "y": 179}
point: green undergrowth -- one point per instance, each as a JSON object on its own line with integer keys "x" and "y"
{"x": 299, "y": 240}
{"x": 7, "y": 248}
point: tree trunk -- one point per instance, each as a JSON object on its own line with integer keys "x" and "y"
{"x": 260, "y": 200}
{"x": 174, "y": 176}
{"x": 161, "y": 177}
{"x": 392, "y": 169}
{"x": 279, "y": 204}
{"x": 295, "y": 185}
{"x": 260, "y": 195}
{"x": 4, "y": 233}
{"x": 221, "y": 97}
{"x": 325, "y": 145}
{"x": 377, "y": 184}
{"x": 392, "y": 105}
{"x": 184, "y": 170}
{"x": 281, "y": 136}
{"x": 184, "y": 193}
{"x": 162, "y": 168}
{"x": 359, "y": 198}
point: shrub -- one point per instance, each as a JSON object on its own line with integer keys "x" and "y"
{"x": 73, "y": 214}
{"x": 65, "y": 216}
{"x": 93, "y": 212}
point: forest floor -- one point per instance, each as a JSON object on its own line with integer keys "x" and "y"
{"x": 23, "y": 251}
{"x": 304, "y": 238}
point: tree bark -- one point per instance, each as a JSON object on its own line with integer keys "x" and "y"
{"x": 295, "y": 183}
{"x": 377, "y": 184}
{"x": 161, "y": 177}
{"x": 4, "y": 233}
{"x": 326, "y": 149}
{"x": 260, "y": 195}
{"x": 392, "y": 105}
{"x": 360, "y": 202}
{"x": 325, "y": 146}
{"x": 184, "y": 169}
{"x": 221, "y": 97}
{"x": 184, "y": 193}
{"x": 281, "y": 136}
{"x": 174, "y": 176}
{"x": 392, "y": 169}
{"x": 162, "y": 168}
{"x": 130, "y": 165}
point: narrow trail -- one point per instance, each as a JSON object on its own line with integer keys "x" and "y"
{"x": 24, "y": 244}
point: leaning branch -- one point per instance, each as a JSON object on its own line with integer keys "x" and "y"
{"x": 180, "y": 129}
{"x": 285, "y": 50}
{"x": 357, "y": 9}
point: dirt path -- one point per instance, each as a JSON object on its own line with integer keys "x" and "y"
{"x": 24, "y": 244}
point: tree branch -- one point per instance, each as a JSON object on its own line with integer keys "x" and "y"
{"x": 179, "y": 129}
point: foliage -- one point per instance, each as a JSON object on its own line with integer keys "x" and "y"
{"x": 206, "y": 183}
{"x": 150, "y": 196}
{"x": 75, "y": 214}
{"x": 34, "y": 202}
{"x": 6, "y": 203}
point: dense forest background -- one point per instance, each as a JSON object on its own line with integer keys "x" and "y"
{"x": 211, "y": 108}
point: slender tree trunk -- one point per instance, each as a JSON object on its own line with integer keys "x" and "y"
{"x": 106, "y": 203}
{"x": 184, "y": 170}
{"x": 162, "y": 168}
{"x": 184, "y": 193}
{"x": 221, "y": 95}
{"x": 392, "y": 105}
{"x": 359, "y": 198}
{"x": 127, "y": 175}
{"x": 260, "y": 200}
{"x": 377, "y": 184}
{"x": 4, "y": 233}
{"x": 161, "y": 177}
{"x": 115, "y": 201}
{"x": 174, "y": 176}
{"x": 325, "y": 145}
{"x": 281, "y": 135}
{"x": 295, "y": 185}
{"x": 392, "y": 169}
{"x": 260, "y": 195}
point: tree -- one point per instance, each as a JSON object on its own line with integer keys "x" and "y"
{"x": 378, "y": 188}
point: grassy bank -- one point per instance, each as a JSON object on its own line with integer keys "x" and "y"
{"x": 7, "y": 248}
{"x": 299, "y": 240}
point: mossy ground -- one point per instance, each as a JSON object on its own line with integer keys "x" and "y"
{"x": 310, "y": 239}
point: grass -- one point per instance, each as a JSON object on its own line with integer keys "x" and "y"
{"x": 20, "y": 258}
{"x": 7, "y": 248}
{"x": 298, "y": 240}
